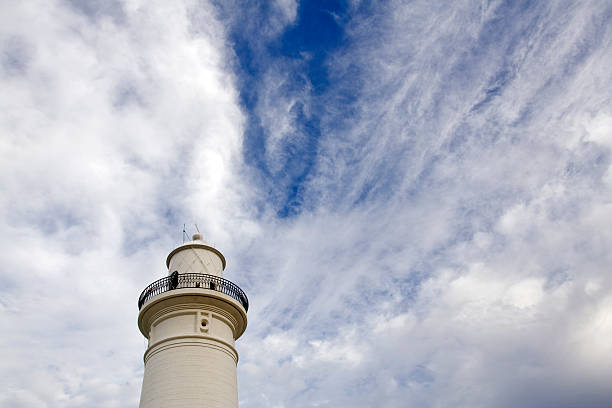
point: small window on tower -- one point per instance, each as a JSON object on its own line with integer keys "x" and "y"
{"x": 204, "y": 326}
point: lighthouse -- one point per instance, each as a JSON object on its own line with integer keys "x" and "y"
{"x": 192, "y": 318}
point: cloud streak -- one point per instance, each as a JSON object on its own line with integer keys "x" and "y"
{"x": 447, "y": 236}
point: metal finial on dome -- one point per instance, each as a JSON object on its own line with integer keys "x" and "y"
{"x": 197, "y": 237}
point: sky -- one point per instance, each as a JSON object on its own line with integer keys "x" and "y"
{"x": 416, "y": 196}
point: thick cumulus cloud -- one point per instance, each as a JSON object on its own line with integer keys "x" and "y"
{"x": 119, "y": 121}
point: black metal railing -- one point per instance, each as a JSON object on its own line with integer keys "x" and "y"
{"x": 193, "y": 280}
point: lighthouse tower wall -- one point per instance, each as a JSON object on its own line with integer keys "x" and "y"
{"x": 191, "y": 357}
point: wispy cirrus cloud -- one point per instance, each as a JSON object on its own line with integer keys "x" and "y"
{"x": 447, "y": 233}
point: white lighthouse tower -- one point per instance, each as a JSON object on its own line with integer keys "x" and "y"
{"x": 192, "y": 318}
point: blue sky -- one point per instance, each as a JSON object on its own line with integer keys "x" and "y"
{"x": 415, "y": 196}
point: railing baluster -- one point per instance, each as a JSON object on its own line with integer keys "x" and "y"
{"x": 194, "y": 280}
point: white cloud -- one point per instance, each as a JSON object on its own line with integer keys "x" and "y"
{"x": 461, "y": 215}
{"x": 455, "y": 250}
{"x": 114, "y": 131}
{"x": 599, "y": 130}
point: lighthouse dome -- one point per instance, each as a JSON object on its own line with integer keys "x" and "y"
{"x": 196, "y": 256}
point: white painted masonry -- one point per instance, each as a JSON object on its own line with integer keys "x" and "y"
{"x": 191, "y": 357}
